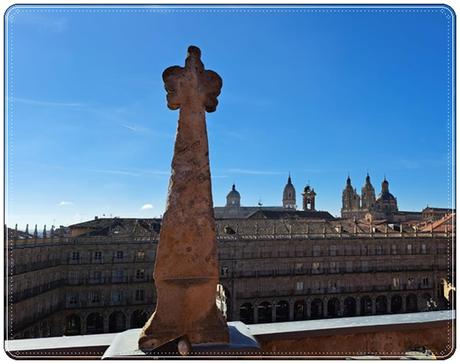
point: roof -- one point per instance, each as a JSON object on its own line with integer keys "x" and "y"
{"x": 290, "y": 214}
{"x": 118, "y": 226}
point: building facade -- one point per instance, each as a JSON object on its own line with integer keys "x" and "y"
{"x": 275, "y": 266}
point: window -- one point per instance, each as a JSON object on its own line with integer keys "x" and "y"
{"x": 348, "y": 250}
{"x": 410, "y": 283}
{"x": 98, "y": 256}
{"x": 94, "y": 297}
{"x": 97, "y": 276}
{"x": 73, "y": 299}
{"x": 118, "y": 276}
{"x": 73, "y": 277}
{"x": 224, "y": 271}
{"x": 394, "y": 249}
{"x": 409, "y": 248}
{"x": 116, "y": 297}
{"x": 140, "y": 273}
{"x": 119, "y": 255}
{"x": 315, "y": 267}
{"x": 365, "y": 266}
{"x": 333, "y": 267}
{"x": 396, "y": 282}
{"x": 298, "y": 267}
{"x": 332, "y": 285}
{"x": 333, "y": 250}
{"x": 425, "y": 281}
{"x": 140, "y": 255}
{"x": 364, "y": 250}
{"x": 316, "y": 251}
{"x": 299, "y": 286}
{"x": 75, "y": 256}
{"x": 139, "y": 295}
{"x": 379, "y": 250}
{"x": 349, "y": 266}
{"x": 423, "y": 249}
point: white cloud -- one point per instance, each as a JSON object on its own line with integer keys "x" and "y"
{"x": 65, "y": 203}
{"x": 147, "y": 206}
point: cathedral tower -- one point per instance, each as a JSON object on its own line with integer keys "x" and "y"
{"x": 289, "y": 195}
{"x": 367, "y": 194}
{"x": 350, "y": 199}
{"x": 308, "y": 199}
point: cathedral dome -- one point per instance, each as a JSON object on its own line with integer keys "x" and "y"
{"x": 233, "y": 198}
{"x": 385, "y": 195}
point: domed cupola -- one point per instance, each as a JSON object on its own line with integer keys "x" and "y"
{"x": 289, "y": 201}
{"x": 386, "y": 202}
{"x": 233, "y": 198}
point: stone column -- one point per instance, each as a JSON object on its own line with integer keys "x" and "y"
{"x": 186, "y": 268}
{"x": 83, "y": 327}
{"x": 308, "y": 309}
{"x": 291, "y": 311}
{"x": 105, "y": 318}
{"x": 374, "y": 305}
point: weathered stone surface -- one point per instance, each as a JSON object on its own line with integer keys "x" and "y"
{"x": 186, "y": 269}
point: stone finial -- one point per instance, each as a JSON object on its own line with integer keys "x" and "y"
{"x": 186, "y": 269}
{"x": 35, "y": 231}
{"x": 192, "y": 85}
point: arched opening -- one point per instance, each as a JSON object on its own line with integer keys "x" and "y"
{"x": 316, "y": 308}
{"x": 381, "y": 305}
{"x": 349, "y": 306}
{"x": 411, "y": 303}
{"x": 333, "y": 307}
{"x": 247, "y": 313}
{"x": 72, "y": 325}
{"x": 94, "y": 324}
{"x": 264, "y": 312}
{"x": 138, "y": 319}
{"x": 117, "y": 322}
{"x": 396, "y": 304}
{"x": 282, "y": 311}
{"x": 366, "y": 306}
{"x": 300, "y": 310}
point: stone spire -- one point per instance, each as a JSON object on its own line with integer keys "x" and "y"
{"x": 186, "y": 270}
{"x": 289, "y": 198}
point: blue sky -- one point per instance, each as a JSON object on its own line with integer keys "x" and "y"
{"x": 317, "y": 94}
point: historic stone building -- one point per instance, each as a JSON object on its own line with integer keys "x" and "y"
{"x": 383, "y": 207}
{"x": 275, "y": 266}
{"x": 234, "y": 208}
